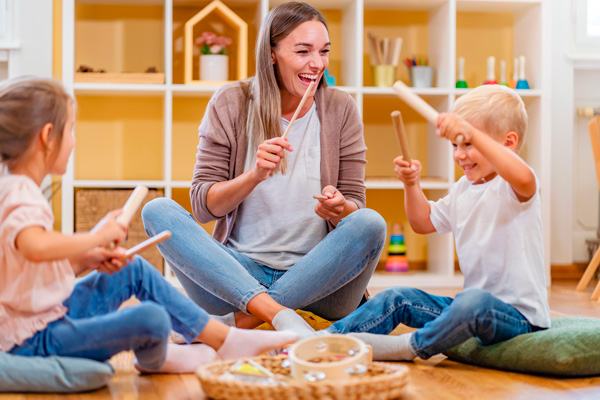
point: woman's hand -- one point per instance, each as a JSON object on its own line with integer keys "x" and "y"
{"x": 108, "y": 230}
{"x": 101, "y": 259}
{"x": 268, "y": 157}
{"x": 408, "y": 173}
{"x": 332, "y": 207}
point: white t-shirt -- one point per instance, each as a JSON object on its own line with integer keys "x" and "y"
{"x": 499, "y": 243}
{"x": 276, "y": 224}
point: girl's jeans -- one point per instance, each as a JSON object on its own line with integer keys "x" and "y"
{"x": 444, "y": 322}
{"x": 93, "y": 328}
{"x": 330, "y": 280}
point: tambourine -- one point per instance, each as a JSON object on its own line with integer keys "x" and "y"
{"x": 328, "y": 357}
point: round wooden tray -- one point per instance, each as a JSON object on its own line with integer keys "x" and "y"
{"x": 381, "y": 381}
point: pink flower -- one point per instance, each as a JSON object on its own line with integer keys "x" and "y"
{"x": 210, "y": 43}
{"x": 215, "y": 48}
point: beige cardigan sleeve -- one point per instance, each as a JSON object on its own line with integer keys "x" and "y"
{"x": 223, "y": 122}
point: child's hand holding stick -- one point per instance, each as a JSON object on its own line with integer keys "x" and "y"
{"x": 419, "y": 105}
{"x": 401, "y": 135}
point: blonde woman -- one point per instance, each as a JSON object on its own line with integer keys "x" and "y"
{"x": 275, "y": 248}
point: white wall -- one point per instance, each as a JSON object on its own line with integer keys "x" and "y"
{"x": 575, "y": 83}
{"x": 31, "y": 23}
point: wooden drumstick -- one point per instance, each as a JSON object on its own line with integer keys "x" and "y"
{"x": 131, "y": 206}
{"x": 401, "y": 135}
{"x": 154, "y": 240}
{"x": 311, "y": 85}
{"x": 133, "y": 203}
{"x": 419, "y": 105}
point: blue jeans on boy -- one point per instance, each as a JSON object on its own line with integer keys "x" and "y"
{"x": 328, "y": 281}
{"x": 443, "y": 322}
{"x": 93, "y": 328}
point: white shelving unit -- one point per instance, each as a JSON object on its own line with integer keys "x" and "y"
{"x": 445, "y": 33}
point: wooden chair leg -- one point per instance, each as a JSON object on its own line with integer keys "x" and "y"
{"x": 589, "y": 271}
{"x": 596, "y": 294}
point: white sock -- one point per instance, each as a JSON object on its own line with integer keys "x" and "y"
{"x": 288, "y": 320}
{"x": 183, "y": 359}
{"x": 387, "y": 348}
{"x": 227, "y": 319}
{"x": 250, "y": 342}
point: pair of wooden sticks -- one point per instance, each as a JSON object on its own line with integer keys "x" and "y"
{"x": 131, "y": 206}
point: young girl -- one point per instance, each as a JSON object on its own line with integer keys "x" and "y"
{"x": 42, "y": 310}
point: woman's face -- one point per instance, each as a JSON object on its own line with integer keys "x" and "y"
{"x": 302, "y": 57}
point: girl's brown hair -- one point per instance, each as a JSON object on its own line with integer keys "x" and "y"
{"x": 264, "y": 116}
{"x": 27, "y": 104}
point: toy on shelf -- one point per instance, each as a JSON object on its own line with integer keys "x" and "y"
{"x": 461, "y": 83}
{"x": 491, "y": 74}
{"x": 230, "y": 19}
{"x": 397, "y": 261}
{"x": 522, "y": 82}
{"x": 503, "y": 73}
{"x": 329, "y": 79}
{"x": 513, "y": 82}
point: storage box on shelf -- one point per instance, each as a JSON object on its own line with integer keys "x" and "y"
{"x": 166, "y": 134}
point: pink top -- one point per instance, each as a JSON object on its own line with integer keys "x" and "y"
{"x": 31, "y": 293}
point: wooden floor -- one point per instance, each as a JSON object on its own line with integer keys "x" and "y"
{"x": 436, "y": 378}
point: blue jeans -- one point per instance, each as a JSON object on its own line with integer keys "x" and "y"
{"x": 328, "y": 281}
{"x": 444, "y": 322}
{"x": 93, "y": 328}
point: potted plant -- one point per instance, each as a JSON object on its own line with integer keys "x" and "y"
{"x": 214, "y": 62}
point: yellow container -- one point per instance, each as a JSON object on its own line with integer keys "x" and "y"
{"x": 384, "y": 75}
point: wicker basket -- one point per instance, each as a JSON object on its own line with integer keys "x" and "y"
{"x": 91, "y": 205}
{"x": 382, "y": 381}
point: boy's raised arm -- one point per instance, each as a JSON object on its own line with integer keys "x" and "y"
{"x": 507, "y": 163}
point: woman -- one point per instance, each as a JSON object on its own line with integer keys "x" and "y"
{"x": 275, "y": 248}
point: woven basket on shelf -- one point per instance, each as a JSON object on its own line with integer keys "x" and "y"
{"x": 382, "y": 381}
{"x": 91, "y": 205}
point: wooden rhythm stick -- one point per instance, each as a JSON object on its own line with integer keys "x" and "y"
{"x": 401, "y": 135}
{"x": 419, "y": 105}
{"x": 133, "y": 203}
{"x": 131, "y": 206}
{"x": 154, "y": 240}
{"x": 311, "y": 85}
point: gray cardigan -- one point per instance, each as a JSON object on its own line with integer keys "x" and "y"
{"x": 223, "y": 142}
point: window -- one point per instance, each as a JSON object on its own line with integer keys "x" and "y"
{"x": 587, "y": 25}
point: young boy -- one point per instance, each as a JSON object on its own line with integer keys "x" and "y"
{"x": 494, "y": 213}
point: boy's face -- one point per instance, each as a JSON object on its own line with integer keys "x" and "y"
{"x": 476, "y": 167}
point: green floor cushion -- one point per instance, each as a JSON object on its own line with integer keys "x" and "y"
{"x": 571, "y": 347}
{"x": 52, "y": 374}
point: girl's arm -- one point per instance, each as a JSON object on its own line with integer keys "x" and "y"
{"x": 418, "y": 210}
{"x": 37, "y": 244}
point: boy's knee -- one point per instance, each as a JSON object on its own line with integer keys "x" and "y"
{"x": 472, "y": 302}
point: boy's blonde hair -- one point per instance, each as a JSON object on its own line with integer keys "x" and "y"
{"x": 495, "y": 109}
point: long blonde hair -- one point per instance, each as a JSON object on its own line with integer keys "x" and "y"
{"x": 264, "y": 112}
